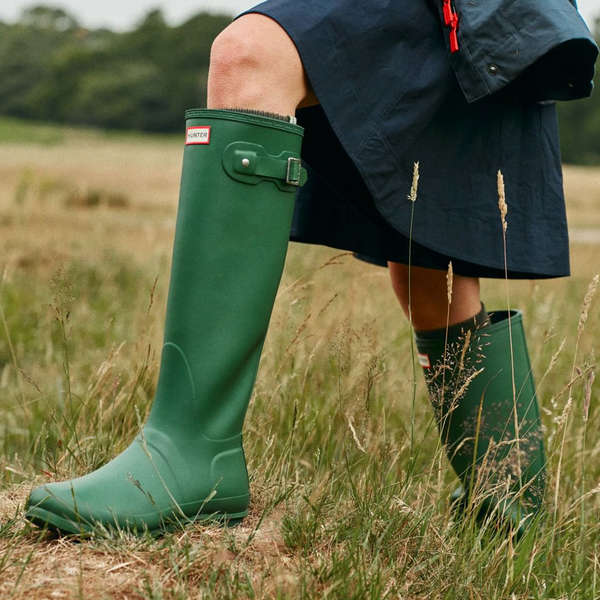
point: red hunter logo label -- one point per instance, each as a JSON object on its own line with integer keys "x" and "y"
{"x": 197, "y": 135}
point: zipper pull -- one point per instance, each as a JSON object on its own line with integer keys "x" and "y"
{"x": 451, "y": 20}
{"x": 447, "y": 8}
{"x": 453, "y": 41}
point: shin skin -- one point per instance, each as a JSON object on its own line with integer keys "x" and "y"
{"x": 429, "y": 296}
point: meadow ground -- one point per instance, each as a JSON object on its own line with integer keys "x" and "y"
{"x": 341, "y": 505}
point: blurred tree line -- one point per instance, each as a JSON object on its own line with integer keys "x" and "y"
{"x": 53, "y": 69}
{"x": 580, "y": 123}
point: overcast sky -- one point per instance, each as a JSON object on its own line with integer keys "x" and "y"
{"x": 120, "y": 14}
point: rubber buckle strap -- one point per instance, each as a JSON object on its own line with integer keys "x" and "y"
{"x": 293, "y": 174}
{"x": 252, "y": 164}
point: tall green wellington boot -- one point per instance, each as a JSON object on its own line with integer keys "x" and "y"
{"x": 493, "y": 437}
{"x": 240, "y": 175}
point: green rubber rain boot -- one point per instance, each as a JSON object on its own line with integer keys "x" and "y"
{"x": 240, "y": 175}
{"x": 478, "y": 416}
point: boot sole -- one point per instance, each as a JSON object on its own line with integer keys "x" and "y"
{"x": 48, "y": 520}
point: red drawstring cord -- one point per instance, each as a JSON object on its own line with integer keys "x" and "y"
{"x": 451, "y": 20}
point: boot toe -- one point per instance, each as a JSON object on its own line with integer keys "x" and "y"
{"x": 49, "y": 506}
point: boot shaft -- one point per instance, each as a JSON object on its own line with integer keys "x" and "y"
{"x": 490, "y": 429}
{"x": 233, "y": 223}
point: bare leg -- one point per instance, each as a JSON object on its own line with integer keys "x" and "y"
{"x": 429, "y": 297}
{"x": 255, "y": 65}
{"x": 483, "y": 397}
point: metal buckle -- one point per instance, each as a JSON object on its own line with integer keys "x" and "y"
{"x": 292, "y": 177}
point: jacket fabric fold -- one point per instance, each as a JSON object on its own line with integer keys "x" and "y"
{"x": 543, "y": 43}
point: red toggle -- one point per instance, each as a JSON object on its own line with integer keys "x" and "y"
{"x": 453, "y": 41}
{"x": 451, "y": 20}
{"x": 447, "y": 12}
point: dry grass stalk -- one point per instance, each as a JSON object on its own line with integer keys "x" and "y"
{"x": 414, "y": 189}
{"x": 461, "y": 363}
{"x": 355, "y": 436}
{"x": 449, "y": 283}
{"x": 332, "y": 261}
{"x": 575, "y": 372}
{"x": 583, "y": 317}
{"x": 551, "y": 366}
{"x": 578, "y": 375}
{"x": 587, "y": 301}
{"x": 467, "y": 382}
{"x": 587, "y": 397}
{"x": 503, "y": 207}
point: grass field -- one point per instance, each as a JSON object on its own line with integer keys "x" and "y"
{"x": 341, "y": 506}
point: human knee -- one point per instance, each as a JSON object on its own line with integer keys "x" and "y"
{"x": 255, "y": 64}
{"x": 235, "y": 64}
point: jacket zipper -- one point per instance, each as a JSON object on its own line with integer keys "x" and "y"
{"x": 451, "y": 20}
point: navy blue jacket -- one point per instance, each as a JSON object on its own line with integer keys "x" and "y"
{"x": 393, "y": 92}
{"x": 544, "y": 45}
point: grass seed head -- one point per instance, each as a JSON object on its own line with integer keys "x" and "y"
{"x": 502, "y": 201}
{"x": 587, "y": 301}
{"x": 587, "y": 396}
{"x": 414, "y": 188}
{"x": 461, "y": 364}
{"x": 449, "y": 282}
